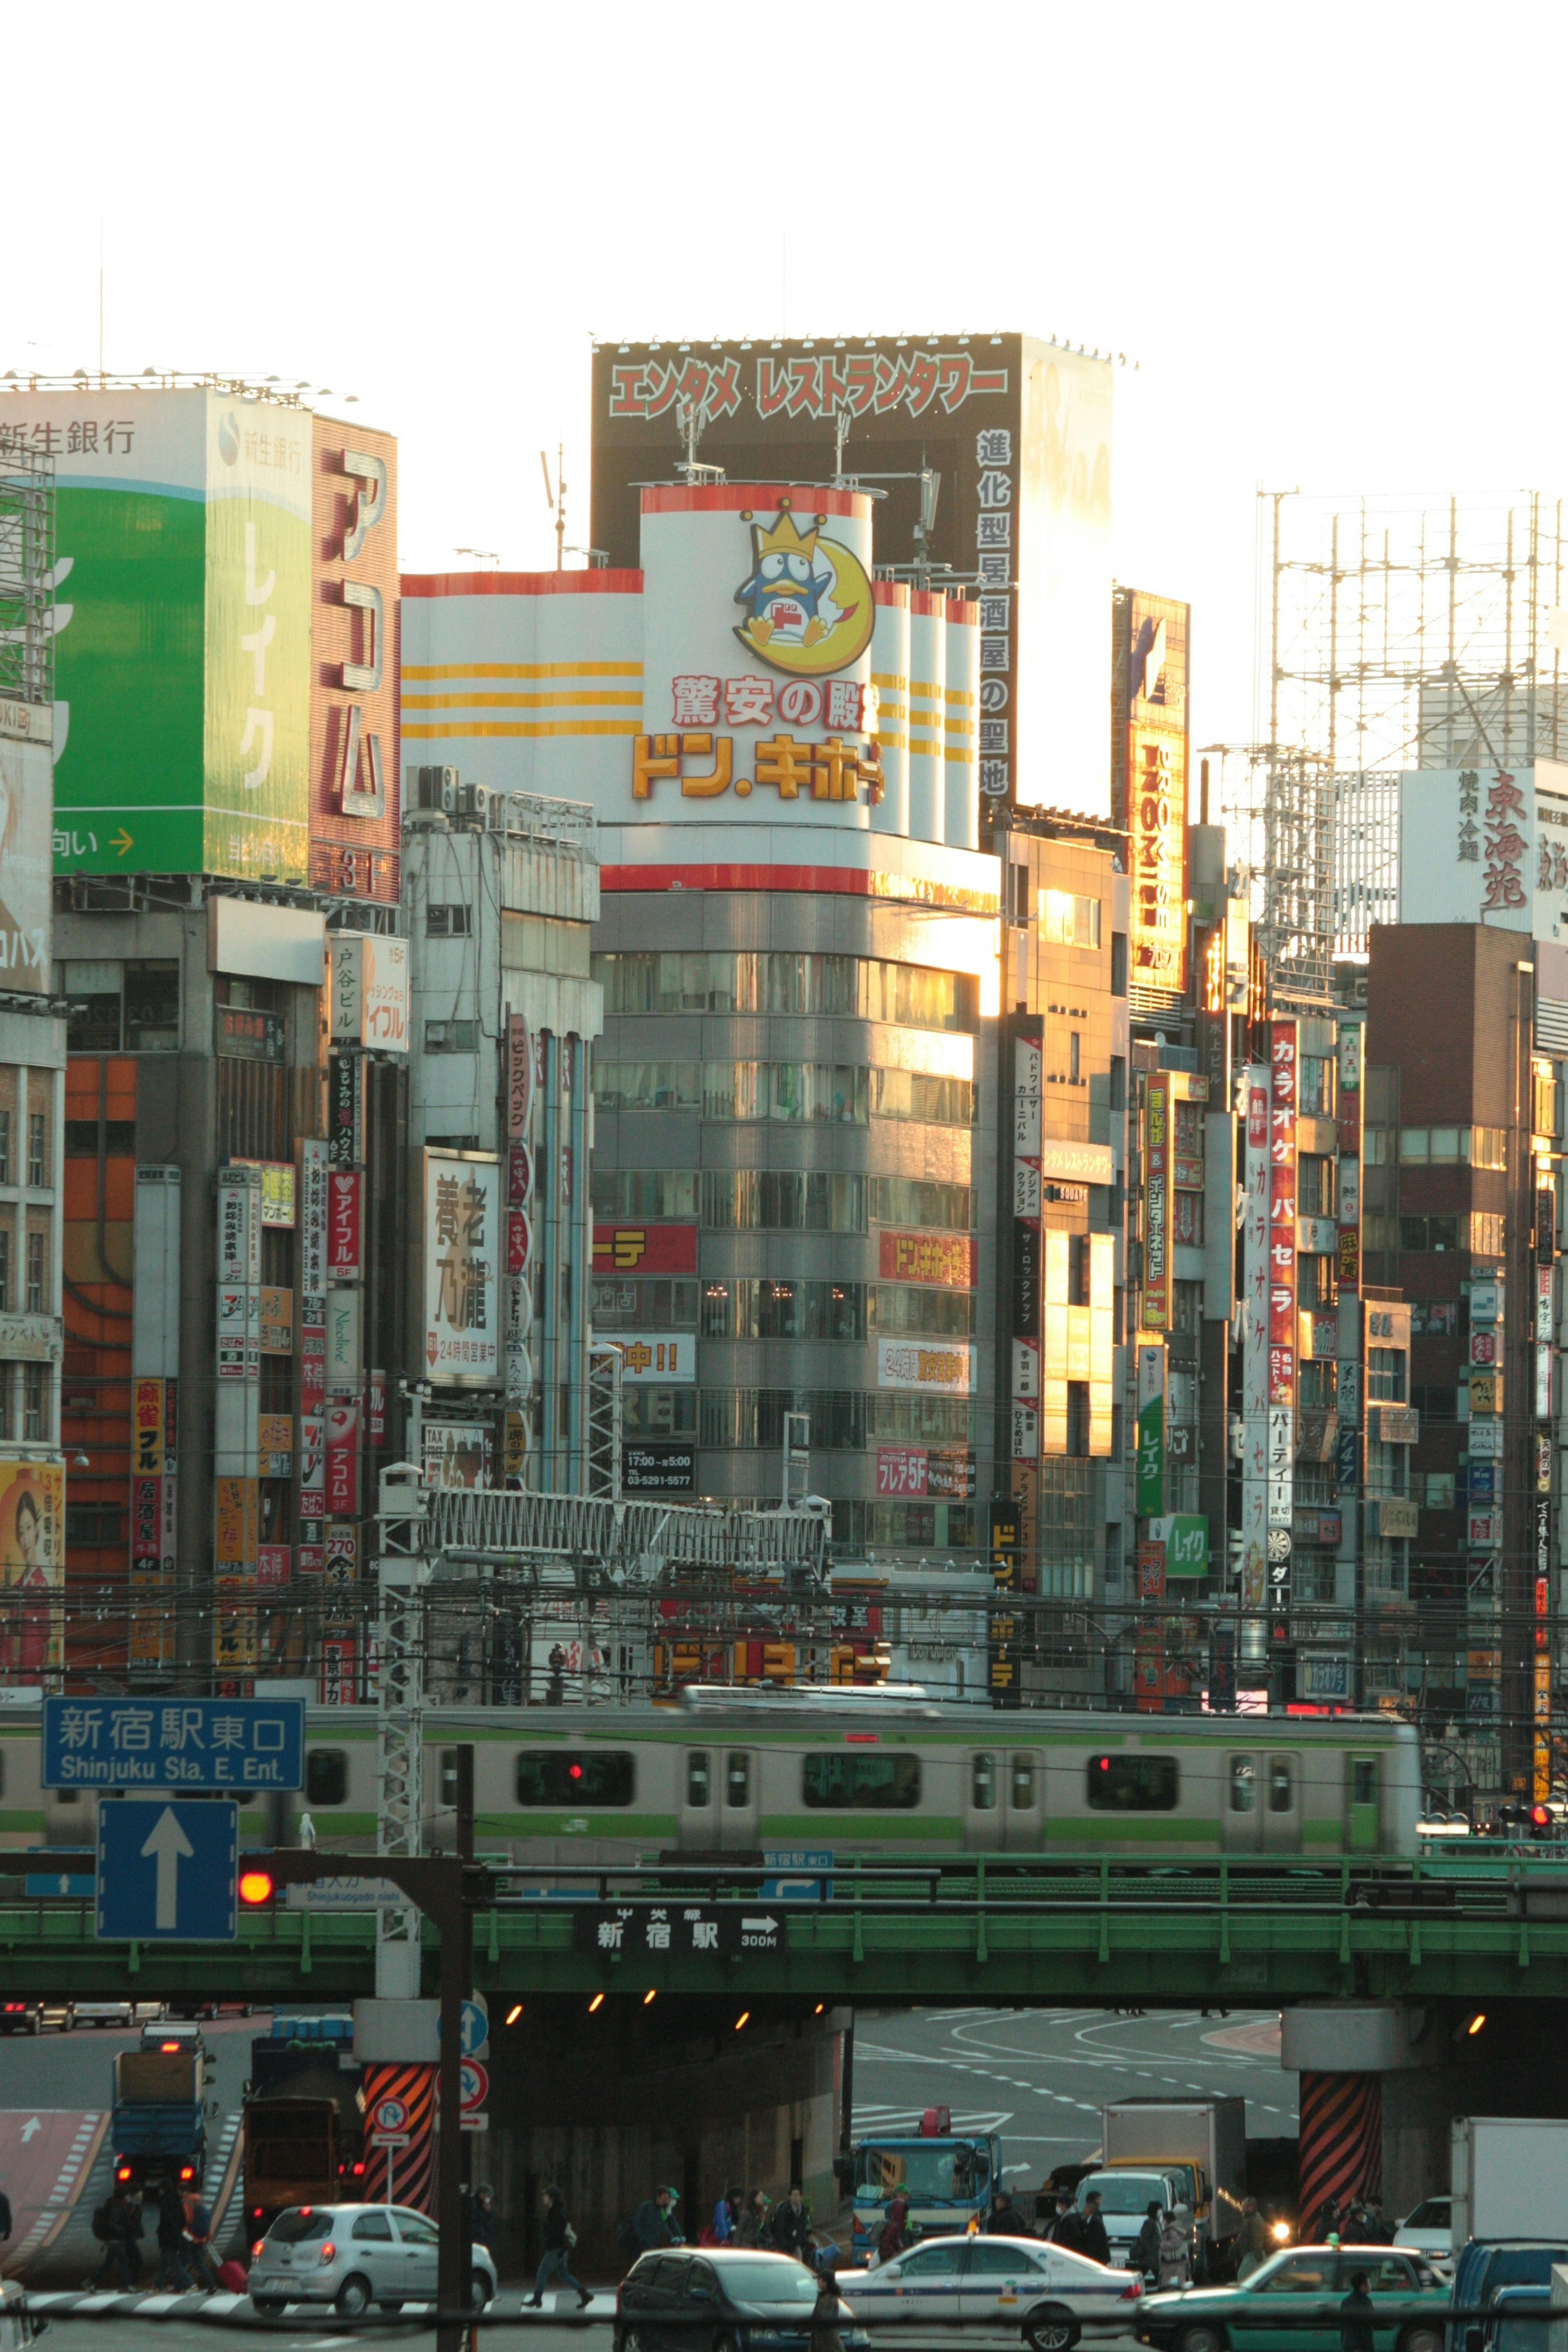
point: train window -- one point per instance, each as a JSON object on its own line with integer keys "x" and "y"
{"x": 738, "y": 1777}
{"x": 696, "y": 1778}
{"x": 2, "y": 1773}
{"x": 982, "y": 1782}
{"x": 1132, "y": 1784}
{"x": 1243, "y": 1784}
{"x": 552, "y": 1776}
{"x": 1023, "y": 1784}
{"x": 326, "y": 1776}
{"x": 879, "y": 1784}
{"x": 1281, "y": 1783}
{"x": 446, "y": 1798}
{"x": 1364, "y": 1781}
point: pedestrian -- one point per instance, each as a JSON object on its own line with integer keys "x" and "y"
{"x": 1355, "y": 2316}
{"x": 1145, "y": 2255}
{"x": 1069, "y": 2232}
{"x": 1255, "y": 2244}
{"x": 482, "y": 2222}
{"x": 1004, "y": 2221}
{"x": 555, "y": 1688}
{"x": 726, "y": 2216}
{"x": 890, "y": 2244}
{"x": 170, "y": 2269}
{"x": 1175, "y": 2250}
{"x": 5, "y": 2216}
{"x": 197, "y": 2240}
{"x": 1326, "y": 2222}
{"x": 791, "y": 2224}
{"x": 826, "y": 2313}
{"x": 560, "y": 2237}
{"x": 653, "y": 2223}
{"x": 117, "y": 2224}
{"x": 1096, "y": 2238}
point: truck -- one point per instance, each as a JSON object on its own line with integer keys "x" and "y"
{"x": 303, "y": 2119}
{"x": 1508, "y": 2176}
{"x": 1205, "y": 2136}
{"x": 158, "y": 2124}
{"x": 948, "y": 2176}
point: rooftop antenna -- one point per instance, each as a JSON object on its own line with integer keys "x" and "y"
{"x": 840, "y": 435}
{"x": 688, "y": 424}
{"x": 100, "y": 298}
{"x": 555, "y": 499}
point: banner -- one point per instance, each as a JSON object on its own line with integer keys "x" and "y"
{"x": 1151, "y": 1496}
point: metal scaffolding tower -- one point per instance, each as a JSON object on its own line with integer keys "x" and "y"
{"x": 27, "y": 574}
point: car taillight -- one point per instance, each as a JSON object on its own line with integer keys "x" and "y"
{"x": 329, "y": 2251}
{"x": 122, "y": 2170}
{"x": 1131, "y": 2293}
{"x": 187, "y": 2172}
{"x": 359, "y": 2170}
{"x": 256, "y": 2252}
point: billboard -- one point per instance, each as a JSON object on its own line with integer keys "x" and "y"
{"x": 459, "y": 1280}
{"x": 183, "y": 628}
{"x": 26, "y": 801}
{"x": 993, "y": 456}
{"x": 32, "y": 1566}
{"x": 1149, "y": 754}
{"x": 1485, "y": 846}
{"x": 354, "y": 772}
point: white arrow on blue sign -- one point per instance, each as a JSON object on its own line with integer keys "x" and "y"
{"x": 167, "y": 1872}
{"x": 476, "y": 2030}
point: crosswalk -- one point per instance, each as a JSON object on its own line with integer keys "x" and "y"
{"x": 218, "y": 2310}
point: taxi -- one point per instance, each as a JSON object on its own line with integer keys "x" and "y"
{"x": 1046, "y": 2292}
{"x": 1291, "y": 2304}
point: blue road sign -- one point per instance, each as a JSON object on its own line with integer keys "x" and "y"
{"x": 167, "y": 1872}
{"x": 227, "y": 1745}
{"x": 476, "y": 2028}
{"x": 60, "y": 1870}
{"x": 797, "y": 1874}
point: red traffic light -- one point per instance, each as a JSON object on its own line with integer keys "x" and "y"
{"x": 1540, "y": 1818}
{"x": 256, "y": 1887}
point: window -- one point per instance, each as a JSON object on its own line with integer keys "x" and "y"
{"x": 905, "y": 995}
{"x": 5, "y": 1268}
{"x": 983, "y": 1783}
{"x": 737, "y": 1780}
{"x": 451, "y": 1036}
{"x": 1315, "y": 1186}
{"x": 1430, "y": 1232}
{"x": 912, "y": 1094}
{"x": 1068, "y": 920}
{"x": 415, "y": 2229}
{"x": 1364, "y": 1781}
{"x": 1023, "y": 1784}
{"x": 1317, "y": 1082}
{"x": 326, "y": 1776}
{"x": 1434, "y": 1400}
{"x": 647, "y": 1085}
{"x": 38, "y": 1150}
{"x": 631, "y": 1193}
{"x": 447, "y": 922}
{"x": 1074, "y": 1042}
{"x": 696, "y": 1783}
{"x": 786, "y": 1200}
{"x": 1385, "y": 1375}
{"x": 997, "y": 2262}
{"x": 1281, "y": 1783}
{"x": 93, "y": 1523}
{"x": 35, "y": 1405}
{"x": 302, "y": 2227}
{"x": 36, "y": 1300}
{"x": 1243, "y": 1784}
{"x": 152, "y": 1008}
{"x": 549, "y": 1776}
{"x": 654, "y": 1303}
{"x": 911, "y": 1200}
{"x": 1375, "y": 1146}
{"x": 446, "y": 1780}
{"x": 373, "y": 2225}
{"x": 1308, "y": 2274}
{"x": 841, "y": 1783}
{"x": 1118, "y": 963}
{"x": 5, "y": 1147}
{"x": 1132, "y": 1784}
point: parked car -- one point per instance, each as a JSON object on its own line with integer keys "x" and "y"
{"x": 1048, "y": 2293}
{"x": 673, "y": 2300}
{"x": 118, "y": 2012}
{"x": 19, "y": 2326}
{"x": 32, "y": 2016}
{"x": 199, "y": 2009}
{"x": 352, "y": 2256}
{"x": 1483, "y": 2266}
{"x": 1294, "y": 2298}
{"x": 1428, "y": 2230}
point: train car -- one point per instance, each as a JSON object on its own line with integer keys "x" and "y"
{"x": 874, "y": 1776}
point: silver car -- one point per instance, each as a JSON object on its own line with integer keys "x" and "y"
{"x": 352, "y": 2256}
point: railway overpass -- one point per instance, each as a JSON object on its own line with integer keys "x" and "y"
{"x": 1097, "y": 1929}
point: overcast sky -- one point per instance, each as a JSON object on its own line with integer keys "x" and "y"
{"x": 1328, "y": 237}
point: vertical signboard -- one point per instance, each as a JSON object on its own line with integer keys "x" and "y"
{"x": 1003, "y": 1677}
{"x": 1149, "y": 704}
{"x": 1029, "y": 1240}
{"x": 460, "y": 1228}
{"x": 354, "y": 751}
{"x": 1151, "y": 1496}
{"x": 1157, "y": 1269}
{"x": 1254, "y": 1360}
{"x": 155, "y": 1363}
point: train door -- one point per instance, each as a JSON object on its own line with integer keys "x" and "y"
{"x": 1024, "y": 1773}
{"x": 1241, "y": 1803}
{"x": 1363, "y": 1805}
{"x": 1281, "y": 1803}
{"x": 699, "y": 1814}
{"x": 740, "y": 1809}
{"x": 984, "y": 1770}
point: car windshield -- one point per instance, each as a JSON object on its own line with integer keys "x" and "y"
{"x": 768, "y": 2282}
{"x": 1432, "y": 2213}
{"x": 297, "y": 2228}
{"x": 933, "y": 2172}
{"x": 1125, "y": 2193}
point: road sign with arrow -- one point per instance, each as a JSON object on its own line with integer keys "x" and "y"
{"x": 655, "y": 1931}
{"x": 167, "y": 1872}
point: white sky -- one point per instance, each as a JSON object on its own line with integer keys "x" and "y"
{"x": 1330, "y": 236}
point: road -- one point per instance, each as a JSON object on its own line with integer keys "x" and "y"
{"x": 1040, "y": 2076}
{"x": 55, "y": 2157}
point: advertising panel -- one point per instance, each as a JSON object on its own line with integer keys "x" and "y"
{"x": 1282, "y": 1215}
{"x": 32, "y": 1568}
{"x": 457, "y": 1454}
{"x": 1150, "y": 1495}
{"x": 950, "y": 1260}
{"x": 645, "y": 1249}
{"x": 355, "y": 758}
{"x": 460, "y": 1230}
{"x": 1157, "y": 1260}
{"x": 1149, "y": 704}
{"x": 931, "y": 1368}
{"x": 1255, "y": 1349}
{"x": 182, "y": 649}
{"x": 651, "y": 1358}
{"x": 1483, "y": 845}
{"x": 370, "y": 991}
{"x": 344, "y": 1206}
{"x": 659, "y": 1468}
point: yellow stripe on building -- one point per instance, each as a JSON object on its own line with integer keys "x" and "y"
{"x": 522, "y": 669}
{"x": 893, "y": 742}
{"x": 931, "y": 691}
{"x": 956, "y": 694}
{"x": 960, "y": 727}
{"x": 963, "y": 758}
{"x": 920, "y": 746}
{"x": 568, "y": 700}
{"x": 531, "y": 727}
{"x": 890, "y": 678}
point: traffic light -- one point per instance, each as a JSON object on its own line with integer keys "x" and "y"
{"x": 256, "y": 1887}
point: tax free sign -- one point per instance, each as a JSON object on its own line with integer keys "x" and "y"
{"x": 219, "y": 1744}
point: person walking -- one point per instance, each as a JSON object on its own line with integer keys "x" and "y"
{"x": 560, "y": 2237}
{"x": 653, "y": 2223}
{"x": 890, "y": 2244}
{"x": 482, "y": 2220}
{"x": 826, "y": 2313}
{"x": 1326, "y": 2222}
{"x": 1356, "y": 2317}
{"x": 1004, "y": 2221}
{"x": 118, "y": 2225}
{"x": 751, "y": 2229}
{"x": 1069, "y": 2233}
{"x": 1145, "y": 2255}
{"x": 1175, "y": 2250}
{"x": 171, "y": 2270}
{"x": 726, "y": 2216}
{"x": 1254, "y": 2241}
{"x": 791, "y": 2224}
{"x": 1096, "y": 2238}
{"x": 197, "y": 2243}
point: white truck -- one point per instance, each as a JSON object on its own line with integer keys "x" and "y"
{"x": 1510, "y": 2177}
{"x": 1206, "y": 2140}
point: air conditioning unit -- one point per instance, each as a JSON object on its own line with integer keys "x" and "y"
{"x": 473, "y": 800}
{"x": 429, "y": 792}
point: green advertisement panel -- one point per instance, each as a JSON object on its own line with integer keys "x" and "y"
{"x": 182, "y": 629}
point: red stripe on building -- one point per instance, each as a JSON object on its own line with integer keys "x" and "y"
{"x": 736, "y": 498}
{"x": 930, "y": 602}
{"x": 891, "y": 592}
{"x": 845, "y": 880}
{"x": 522, "y": 584}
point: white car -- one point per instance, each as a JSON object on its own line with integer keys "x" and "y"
{"x": 1429, "y": 2231}
{"x": 117, "y": 2012}
{"x": 352, "y": 2256}
{"x": 1046, "y": 2292}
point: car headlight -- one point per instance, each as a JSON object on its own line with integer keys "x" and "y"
{"x": 766, "y": 2335}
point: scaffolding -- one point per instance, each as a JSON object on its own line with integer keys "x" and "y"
{"x": 26, "y": 575}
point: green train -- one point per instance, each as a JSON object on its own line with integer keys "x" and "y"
{"x": 876, "y": 1775}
